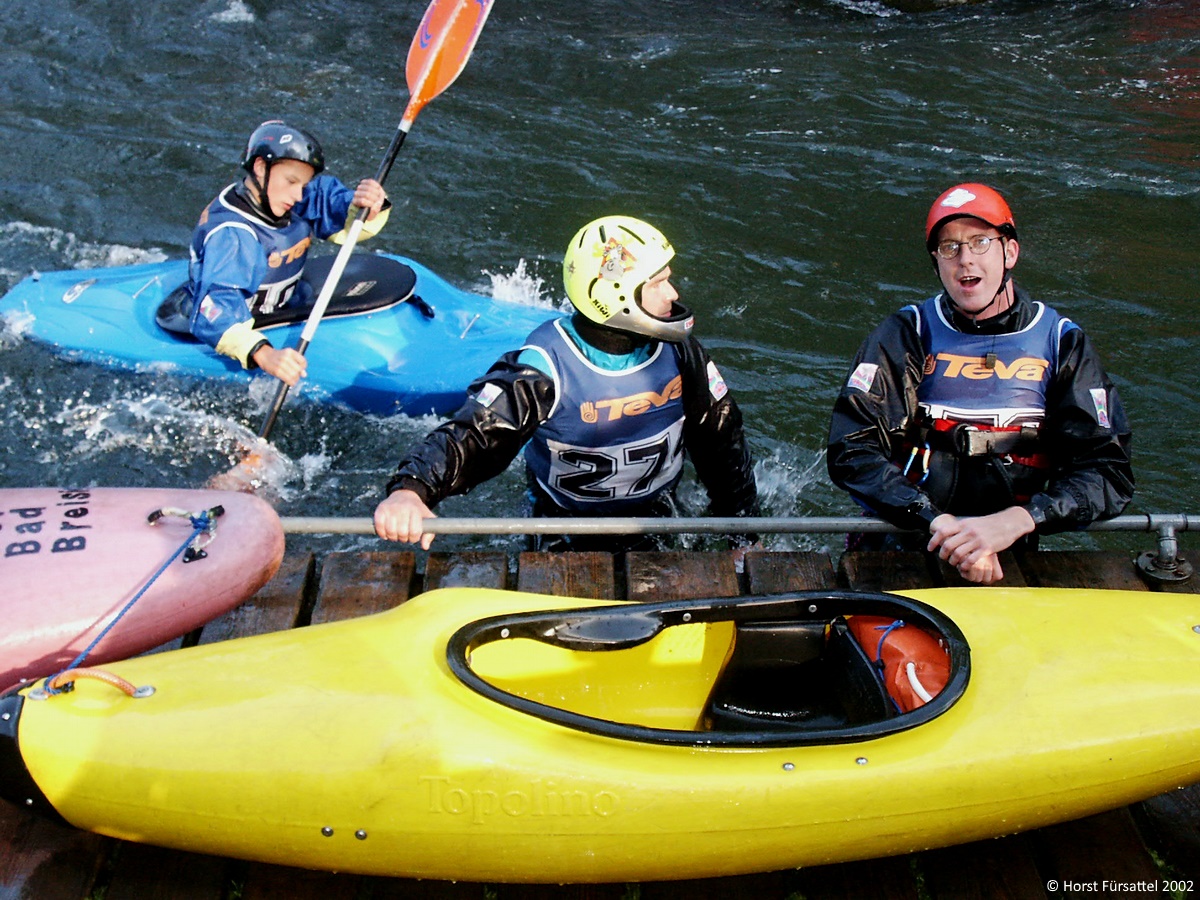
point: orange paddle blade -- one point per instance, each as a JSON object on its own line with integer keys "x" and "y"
{"x": 260, "y": 463}
{"x": 441, "y": 48}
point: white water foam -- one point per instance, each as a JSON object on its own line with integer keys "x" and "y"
{"x": 26, "y": 248}
{"x": 524, "y": 287}
{"x": 236, "y": 12}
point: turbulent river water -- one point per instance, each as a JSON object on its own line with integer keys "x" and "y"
{"x": 790, "y": 149}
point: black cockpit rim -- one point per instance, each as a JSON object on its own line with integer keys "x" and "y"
{"x": 626, "y": 625}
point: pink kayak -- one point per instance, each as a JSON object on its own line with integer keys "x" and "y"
{"x": 71, "y": 561}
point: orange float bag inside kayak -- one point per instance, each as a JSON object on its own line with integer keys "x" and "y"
{"x": 915, "y": 665}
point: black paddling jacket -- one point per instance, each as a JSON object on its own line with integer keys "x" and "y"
{"x": 1083, "y": 469}
{"x": 479, "y": 442}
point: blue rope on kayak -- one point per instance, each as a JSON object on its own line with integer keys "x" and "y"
{"x": 879, "y": 664}
{"x": 202, "y": 523}
{"x": 886, "y": 629}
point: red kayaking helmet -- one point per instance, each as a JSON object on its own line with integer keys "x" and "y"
{"x": 975, "y": 201}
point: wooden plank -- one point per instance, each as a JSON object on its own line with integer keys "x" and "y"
{"x": 1099, "y": 848}
{"x": 269, "y": 882}
{"x": 359, "y": 584}
{"x": 139, "y": 871}
{"x": 679, "y": 574}
{"x": 412, "y": 889}
{"x": 556, "y": 892}
{"x": 590, "y": 575}
{"x": 751, "y": 887}
{"x": 885, "y": 570}
{"x": 800, "y": 570}
{"x": 475, "y": 568}
{"x": 1000, "y": 869}
{"x": 42, "y": 860}
{"x": 1082, "y": 568}
{"x": 275, "y": 607}
{"x": 1170, "y": 824}
{"x": 879, "y": 879}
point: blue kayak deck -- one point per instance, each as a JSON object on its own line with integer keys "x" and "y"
{"x": 394, "y": 360}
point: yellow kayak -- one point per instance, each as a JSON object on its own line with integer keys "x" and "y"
{"x": 496, "y": 736}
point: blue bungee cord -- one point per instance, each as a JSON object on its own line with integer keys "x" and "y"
{"x": 880, "y": 667}
{"x": 203, "y": 523}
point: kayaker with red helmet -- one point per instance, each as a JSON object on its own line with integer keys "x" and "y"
{"x": 980, "y": 416}
{"x": 604, "y": 403}
{"x": 250, "y": 245}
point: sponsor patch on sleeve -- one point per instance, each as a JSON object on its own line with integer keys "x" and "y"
{"x": 716, "y": 384}
{"x": 1100, "y": 401}
{"x": 487, "y": 396}
{"x": 209, "y": 310}
{"x": 863, "y": 377}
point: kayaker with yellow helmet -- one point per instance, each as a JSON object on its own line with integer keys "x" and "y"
{"x": 605, "y": 403}
{"x": 249, "y": 248}
{"x": 981, "y": 416}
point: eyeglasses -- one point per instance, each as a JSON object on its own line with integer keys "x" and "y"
{"x": 979, "y": 245}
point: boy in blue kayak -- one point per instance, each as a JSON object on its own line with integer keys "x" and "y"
{"x": 604, "y": 403}
{"x": 980, "y": 417}
{"x": 249, "y": 248}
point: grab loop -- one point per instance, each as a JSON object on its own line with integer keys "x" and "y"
{"x": 204, "y": 528}
{"x": 204, "y": 522}
{"x": 64, "y": 682}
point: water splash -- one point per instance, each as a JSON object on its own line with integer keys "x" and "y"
{"x": 26, "y": 248}
{"x": 236, "y": 12}
{"x": 523, "y": 287}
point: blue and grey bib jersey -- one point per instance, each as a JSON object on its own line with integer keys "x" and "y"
{"x": 996, "y": 380}
{"x": 614, "y": 437}
{"x": 241, "y": 264}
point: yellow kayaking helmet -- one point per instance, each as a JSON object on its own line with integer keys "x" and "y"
{"x": 605, "y": 266}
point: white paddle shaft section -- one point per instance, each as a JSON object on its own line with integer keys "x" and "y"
{"x": 332, "y": 279}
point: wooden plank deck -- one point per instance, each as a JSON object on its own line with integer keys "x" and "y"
{"x": 1152, "y": 841}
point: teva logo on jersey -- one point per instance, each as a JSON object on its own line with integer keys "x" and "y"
{"x": 633, "y": 405}
{"x": 1025, "y": 368}
{"x": 537, "y": 799}
{"x": 289, "y": 254}
{"x": 958, "y": 198}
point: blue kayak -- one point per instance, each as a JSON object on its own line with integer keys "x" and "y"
{"x": 396, "y": 338}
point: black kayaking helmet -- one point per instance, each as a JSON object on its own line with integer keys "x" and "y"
{"x": 275, "y": 140}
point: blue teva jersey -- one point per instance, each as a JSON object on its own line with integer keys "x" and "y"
{"x": 613, "y": 438}
{"x": 985, "y": 379}
{"x": 275, "y": 270}
{"x": 242, "y": 265}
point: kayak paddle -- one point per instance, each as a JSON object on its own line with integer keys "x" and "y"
{"x": 439, "y": 52}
